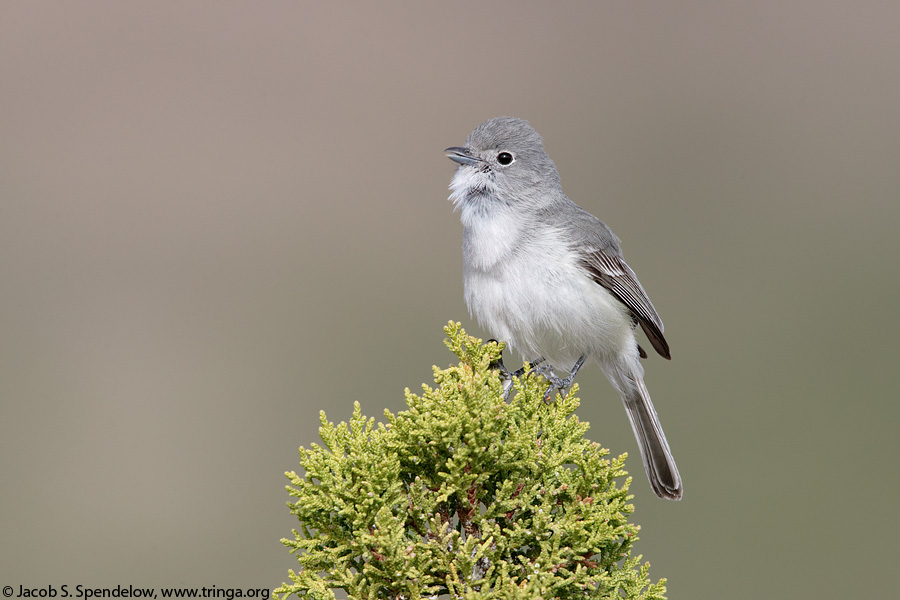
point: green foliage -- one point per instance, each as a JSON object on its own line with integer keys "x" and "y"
{"x": 465, "y": 495}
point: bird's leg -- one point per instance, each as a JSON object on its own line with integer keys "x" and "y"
{"x": 505, "y": 374}
{"x": 498, "y": 364}
{"x": 533, "y": 364}
{"x": 508, "y": 375}
{"x": 507, "y": 385}
{"x": 555, "y": 382}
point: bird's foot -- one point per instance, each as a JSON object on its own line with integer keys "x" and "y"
{"x": 558, "y": 383}
{"x": 508, "y": 375}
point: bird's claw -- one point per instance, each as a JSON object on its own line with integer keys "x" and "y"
{"x": 508, "y": 375}
{"x": 557, "y": 383}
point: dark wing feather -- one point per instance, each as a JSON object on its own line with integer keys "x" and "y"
{"x": 610, "y": 271}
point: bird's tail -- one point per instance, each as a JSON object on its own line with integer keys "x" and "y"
{"x": 655, "y": 452}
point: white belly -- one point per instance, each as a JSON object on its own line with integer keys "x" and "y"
{"x": 542, "y": 304}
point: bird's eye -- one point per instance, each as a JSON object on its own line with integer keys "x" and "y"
{"x": 505, "y": 158}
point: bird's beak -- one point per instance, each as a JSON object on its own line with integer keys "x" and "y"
{"x": 462, "y": 156}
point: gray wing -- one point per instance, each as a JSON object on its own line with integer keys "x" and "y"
{"x": 609, "y": 270}
{"x": 601, "y": 256}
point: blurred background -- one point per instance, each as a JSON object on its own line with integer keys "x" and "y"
{"x": 219, "y": 218}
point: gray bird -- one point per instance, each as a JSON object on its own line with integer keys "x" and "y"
{"x": 548, "y": 278}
